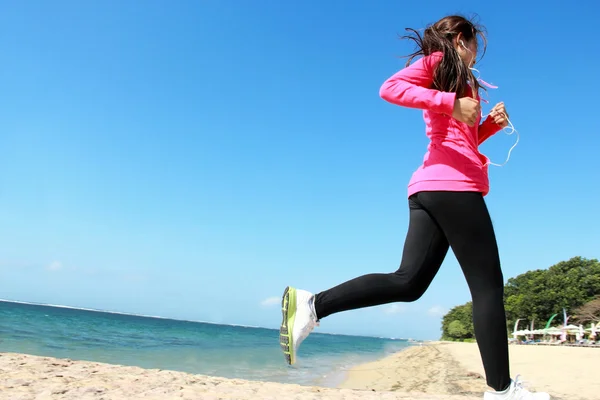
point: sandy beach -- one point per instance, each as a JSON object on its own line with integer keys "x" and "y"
{"x": 439, "y": 371}
{"x": 24, "y": 377}
{"x": 456, "y": 368}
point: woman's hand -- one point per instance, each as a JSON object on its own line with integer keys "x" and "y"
{"x": 499, "y": 116}
{"x": 466, "y": 110}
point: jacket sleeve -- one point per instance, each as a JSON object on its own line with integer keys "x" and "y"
{"x": 486, "y": 130}
{"x": 411, "y": 87}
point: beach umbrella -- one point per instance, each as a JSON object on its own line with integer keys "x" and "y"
{"x": 570, "y": 327}
{"x": 553, "y": 331}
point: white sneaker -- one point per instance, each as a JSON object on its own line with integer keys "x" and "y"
{"x": 299, "y": 320}
{"x": 516, "y": 391}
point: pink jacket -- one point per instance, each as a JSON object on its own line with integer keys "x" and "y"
{"x": 453, "y": 161}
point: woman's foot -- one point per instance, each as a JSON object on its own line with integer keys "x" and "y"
{"x": 516, "y": 391}
{"x": 299, "y": 319}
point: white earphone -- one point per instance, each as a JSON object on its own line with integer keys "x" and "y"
{"x": 510, "y": 127}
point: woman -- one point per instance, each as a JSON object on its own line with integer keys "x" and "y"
{"x": 446, "y": 203}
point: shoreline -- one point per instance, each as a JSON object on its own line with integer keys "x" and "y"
{"x": 337, "y": 376}
{"x": 27, "y": 377}
{"x": 430, "y": 371}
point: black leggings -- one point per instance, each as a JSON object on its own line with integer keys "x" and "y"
{"x": 439, "y": 220}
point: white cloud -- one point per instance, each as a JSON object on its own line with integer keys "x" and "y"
{"x": 270, "y": 301}
{"x": 437, "y": 311}
{"x": 395, "y": 309}
{"x": 55, "y": 266}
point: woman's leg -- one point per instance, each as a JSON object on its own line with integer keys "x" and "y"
{"x": 424, "y": 251}
{"x": 466, "y": 223}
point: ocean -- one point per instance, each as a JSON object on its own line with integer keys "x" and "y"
{"x": 196, "y": 347}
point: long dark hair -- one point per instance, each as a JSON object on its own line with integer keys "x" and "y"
{"x": 451, "y": 74}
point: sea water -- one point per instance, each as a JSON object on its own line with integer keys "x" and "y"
{"x": 195, "y": 347}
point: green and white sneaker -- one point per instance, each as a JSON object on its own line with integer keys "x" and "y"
{"x": 299, "y": 320}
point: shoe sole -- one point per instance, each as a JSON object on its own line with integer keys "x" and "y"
{"x": 288, "y": 311}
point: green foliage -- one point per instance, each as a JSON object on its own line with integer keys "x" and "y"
{"x": 457, "y": 324}
{"x": 536, "y": 295}
{"x": 457, "y": 329}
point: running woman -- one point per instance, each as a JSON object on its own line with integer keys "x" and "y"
{"x": 446, "y": 206}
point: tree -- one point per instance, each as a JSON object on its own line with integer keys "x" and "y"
{"x": 589, "y": 312}
{"x": 461, "y": 317}
{"x": 538, "y": 294}
{"x": 457, "y": 330}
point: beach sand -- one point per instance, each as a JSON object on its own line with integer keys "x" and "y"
{"x": 433, "y": 372}
{"x": 456, "y": 368}
{"x": 24, "y": 377}
{"x": 564, "y": 372}
{"x": 421, "y": 369}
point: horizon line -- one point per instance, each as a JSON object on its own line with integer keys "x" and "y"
{"x": 188, "y": 320}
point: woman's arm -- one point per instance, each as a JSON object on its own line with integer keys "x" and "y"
{"x": 487, "y": 129}
{"x": 410, "y": 87}
{"x": 496, "y": 120}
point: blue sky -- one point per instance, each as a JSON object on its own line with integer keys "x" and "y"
{"x": 190, "y": 159}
